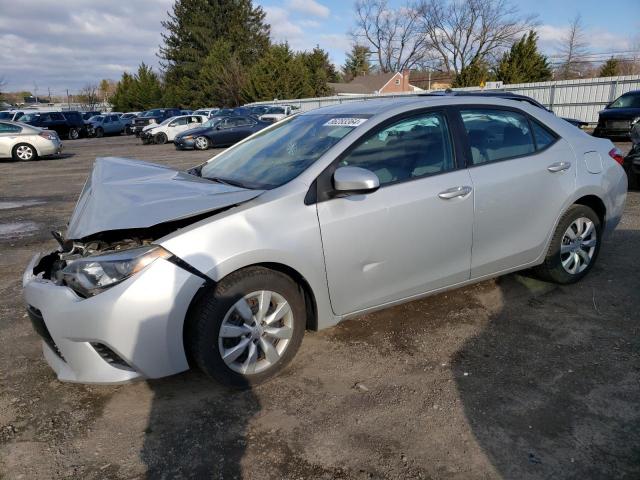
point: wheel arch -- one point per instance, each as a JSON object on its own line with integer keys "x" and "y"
{"x": 308, "y": 295}
{"x": 596, "y": 204}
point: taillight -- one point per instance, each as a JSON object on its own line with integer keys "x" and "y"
{"x": 49, "y": 135}
{"x": 617, "y": 155}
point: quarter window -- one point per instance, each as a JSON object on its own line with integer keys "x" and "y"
{"x": 8, "y": 128}
{"x": 411, "y": 148}
{"x": 543, "y": 137}
{"x": 497, "y": 134}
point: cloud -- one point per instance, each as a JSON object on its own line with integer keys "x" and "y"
{"x": 69, "y": 44}
{"x": 597, "y": 39}
{"x": 283, "y": 29}
{"x": 310, "y": 7}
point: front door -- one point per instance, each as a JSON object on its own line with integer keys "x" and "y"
{"x": 411, "y": 236}
{"x": 522, "y": 174}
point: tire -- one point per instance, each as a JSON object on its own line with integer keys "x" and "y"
{"x": 127, "y": 130}
{"x": 560, "y": 263}
{"x": 160, "y": 138}
{"x": 23, "y": 152}
{"x": 99, "y": 132}
{"x": 201, "y": 143}
{"x": 217, "y": 308}
{"x": 73, "y": 134}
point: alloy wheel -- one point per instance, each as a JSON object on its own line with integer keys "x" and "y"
{"x": 578, "y": 245}
{"x": 255, "y": 332}
{"x": 24, "y": 152}
{"x": 201, "y": 143}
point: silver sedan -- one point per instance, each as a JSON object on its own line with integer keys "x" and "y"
{"x": 323, "y": 216}
{"x": 25, "y": 142}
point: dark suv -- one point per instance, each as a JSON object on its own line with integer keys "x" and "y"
{"x": 619, "y": 116}
{"x": 157, "y": 115}
{"x": 66, "y": 124}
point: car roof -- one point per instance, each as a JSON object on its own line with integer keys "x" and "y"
{"x": 382, "y": 105}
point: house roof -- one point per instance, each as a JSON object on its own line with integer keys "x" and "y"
{"x": 364, "y": 83}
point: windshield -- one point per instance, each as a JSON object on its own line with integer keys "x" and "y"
{"x": 277, "y": 155}
{"x": 211, "y": 123}
{"x": 151, "y": 113}
{"x": 96, "y": 118}
{"x": 627, "y": 101}
{"x": 29, "y": 117}
{"x": 170, "y": 119}
{"x": 276, "y": 110}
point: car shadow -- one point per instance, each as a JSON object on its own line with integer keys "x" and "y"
{"x": 553, "y": 392}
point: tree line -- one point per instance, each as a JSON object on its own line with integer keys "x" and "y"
{"x": 219, "y": 52}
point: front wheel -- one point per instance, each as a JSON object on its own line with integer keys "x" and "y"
{"x": 247, "y": 328}
{"x": 574, "y": 247}
{"x": 160, "y": 138}
{"x": 201, "y": 143}
{"x": 99, "y": 132}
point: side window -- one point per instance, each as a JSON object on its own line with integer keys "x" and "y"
{"x": 410, "y": 148}
{"x": 57, "y": 116}
{"x": 195, "y": 120}
{"x": 8, "y": 128}
{"x": 496, "y": 134}
{"x": 179, "y": 121}
{"x": 114, "y": 118}
{"x": 543, "y": 137}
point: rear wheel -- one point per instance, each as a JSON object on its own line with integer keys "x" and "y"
{"x": 73, "y": 134}
{"x": 160, "y": 138}
{"x": 574, "y": 247}
{"x": 24, "y": 152}
{"x": 201, "y": 143}
{"x": 248, "y": 328}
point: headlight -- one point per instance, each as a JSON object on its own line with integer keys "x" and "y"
{"x": 186, "y": 137}
{"x": 152, "y": 121}
{"x": 91, "y": 275}
{"x": 634, "y": 121}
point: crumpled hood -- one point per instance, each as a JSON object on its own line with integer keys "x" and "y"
{"x": 122, "y": 193}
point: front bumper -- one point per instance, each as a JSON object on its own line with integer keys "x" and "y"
{"x": 138, "y": 323}
{"x": 184, "y": 144}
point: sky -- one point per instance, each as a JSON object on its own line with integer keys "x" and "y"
{"x": 65, "y": 44}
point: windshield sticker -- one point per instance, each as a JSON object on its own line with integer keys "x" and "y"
{"x": 345, "y": 122}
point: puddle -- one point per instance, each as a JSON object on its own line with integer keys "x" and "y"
{"x": 17, "y": 229}
{"x": 19, "y": 204}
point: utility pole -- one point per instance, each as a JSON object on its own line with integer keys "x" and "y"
{"x": 49, "y": 90}
{"x": 68, "y": 102}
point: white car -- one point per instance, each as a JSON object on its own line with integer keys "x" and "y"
{"x": 26, "y": 142}
{"x": 207, "y": 112}
{"x": 167, "y": 130}
{"x": 277, "y": 113}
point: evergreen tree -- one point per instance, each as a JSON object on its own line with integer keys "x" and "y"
{"x": 611, "y": 68}
{"x": 280, "y": 73}
{"x": 141, "y": 91}
{"x": 523, "y": 63}
{"x": 473, "y": 75}
{"x": 321, "y": 71}
{"x": 222, "y": 76}
{"x": 357, "y": 62}
{"x": 193, "y": 28}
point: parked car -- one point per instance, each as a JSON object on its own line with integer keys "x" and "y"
{"x": 323, "y": 216}
{"x": 619, "y": 116}
{"x": 107, "y": 124}
{"x": 632, "y": 160}
{"x": 155, "y": 116}
{"x": 276, "y": 113}
{"x": 207, "y": 112}
{"x": 219, "y": 132}
{"x": 26, "y": 142}
{"x": 16, "y": 114}
{"x": 167, "y": 130}
{"x": 68, "y": 125}
{"x": 186, "y": 112}
{"x": 127, "y": 119}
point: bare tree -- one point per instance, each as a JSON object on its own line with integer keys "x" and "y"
{"x": 393, "y": 35}
{"x": 573, "y": 51}
{"x": 88, "y": 96}
{"x": 464, "y": 32}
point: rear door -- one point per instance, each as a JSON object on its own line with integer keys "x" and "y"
{"x": 522, "y": 174}
{"x": 413, "y": 234}
{"x": 8, "y": 138}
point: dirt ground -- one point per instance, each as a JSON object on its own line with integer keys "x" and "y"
{"x": 511, "y": 378}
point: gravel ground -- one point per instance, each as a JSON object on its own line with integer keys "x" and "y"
{"x": 509, "y": 378}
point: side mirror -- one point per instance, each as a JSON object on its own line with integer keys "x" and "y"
{"x": 355, "y": 180}
{"x": 218, "y": 127}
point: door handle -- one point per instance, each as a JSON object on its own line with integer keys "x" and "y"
{"x": 559, "y": 167}
{"x": 454, "y": 192}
